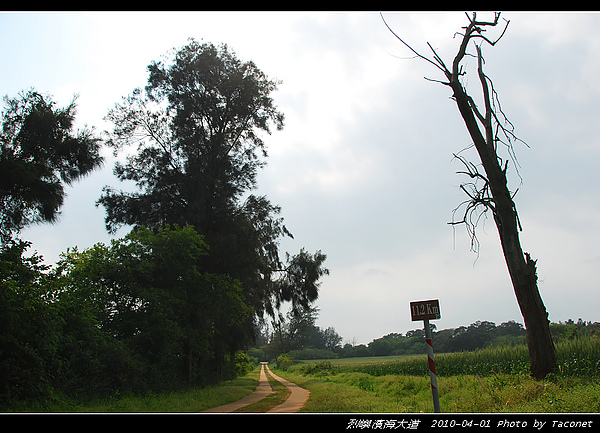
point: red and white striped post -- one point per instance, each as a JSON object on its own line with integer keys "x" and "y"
{"x": 427, "y": 310}
{"x": 431, "y": 362}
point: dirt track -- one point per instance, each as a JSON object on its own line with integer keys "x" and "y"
{"x": 298, "y": 396}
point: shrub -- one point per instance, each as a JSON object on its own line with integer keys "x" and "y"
{"x": 323, "y": 368}
{"x": 243, "y": 364}
{"x": 284, "y": 361}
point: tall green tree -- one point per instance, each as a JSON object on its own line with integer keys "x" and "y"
{"x": 293, "y": 331}
{"x": 194, "y": 141}
{"x": 40, "y": 153}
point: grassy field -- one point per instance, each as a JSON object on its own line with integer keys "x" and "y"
{"x": 362, "y": 392}
{"x": 485, "y": 381}
{"x": 490, "y": 380}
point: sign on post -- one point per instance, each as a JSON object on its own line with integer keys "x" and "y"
{"x": 426, "y": 311}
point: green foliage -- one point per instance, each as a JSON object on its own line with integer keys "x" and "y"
{"x": 27, "y": 338}
{"x": 155, "y": 298}
{"x": 360, "y": 392}
{"x": 322, "y": 368}
{"x": 50, "y": 346}
{"x": 310, "y": 353}
{"x": 157, "y": 309}
{"x": 478, "y": 335}
{"x": 243, "y": 364}
{"x": 579, "y": 357}
{"x": 135, "y": 316}
{"x": 284, "y": 361}
{"x": 258, "y": 355}
{"x": 297, "y": 335}
{"x": 38, "y": 153}
{"x": 197, "y": 127}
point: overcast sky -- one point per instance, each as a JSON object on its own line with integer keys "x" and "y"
{"x": 363, "y": 169}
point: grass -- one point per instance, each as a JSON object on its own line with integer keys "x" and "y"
{"x": 356, "y": 392}
{"x": 279, "y": 395}
{"x": 192, "y": 400}
{"x": 487, "y": 381}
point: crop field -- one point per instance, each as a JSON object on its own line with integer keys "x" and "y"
{"x": 576, "y": 358}
{"x": 487, "y": 380}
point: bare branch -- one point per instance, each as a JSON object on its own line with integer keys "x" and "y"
{"x": 490, "y": 119}
{"x": 479, "y": 203}
{"x": 417, "y": 54}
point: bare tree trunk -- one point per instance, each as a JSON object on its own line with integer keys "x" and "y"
{"x": 521, "y": 267}
{"x": 484, "y": 129}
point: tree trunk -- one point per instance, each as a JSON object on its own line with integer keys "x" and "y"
{"x": 188, "y": 366}
{"x": 521, "y": 267}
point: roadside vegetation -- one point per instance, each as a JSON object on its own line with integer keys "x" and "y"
{"x": 489, "y": 380}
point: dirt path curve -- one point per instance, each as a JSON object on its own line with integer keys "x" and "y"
{"x": 295, "y": 401}
{"x": 298, "y": 396}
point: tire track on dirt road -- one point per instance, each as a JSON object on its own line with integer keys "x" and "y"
{"x": 298, "y": 396}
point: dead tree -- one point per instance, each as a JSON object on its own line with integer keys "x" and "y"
{"x": 487, "y": 190}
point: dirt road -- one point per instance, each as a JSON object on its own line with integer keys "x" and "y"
{"x": 298, "y": 396}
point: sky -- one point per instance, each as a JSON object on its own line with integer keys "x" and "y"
{"x": 363, "y": 169}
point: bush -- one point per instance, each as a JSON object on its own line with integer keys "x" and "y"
{"x": 243, "y": 364}
{"x": 323, "y": 368}
{"x": 284, "y": 361}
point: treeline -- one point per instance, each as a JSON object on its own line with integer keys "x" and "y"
{"x": 297, "y": 336}
{"x": 464, "y": 338}
{"x": 478, "y": 335}
{"x": 137, "y": 315}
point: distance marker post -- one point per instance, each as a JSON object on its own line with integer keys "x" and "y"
{"x": 432, "y": 376}
{"x": 428, "y": 310}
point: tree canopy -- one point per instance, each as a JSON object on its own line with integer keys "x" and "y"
{"x": 39, "y": 153}
{"x": 195, "y": 131}
{"x": 135, "y": 315}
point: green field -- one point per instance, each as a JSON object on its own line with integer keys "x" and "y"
{"x": 360, "y": 392}
{"x": 576, "y": 358}
{"x": 488, "y": 380}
